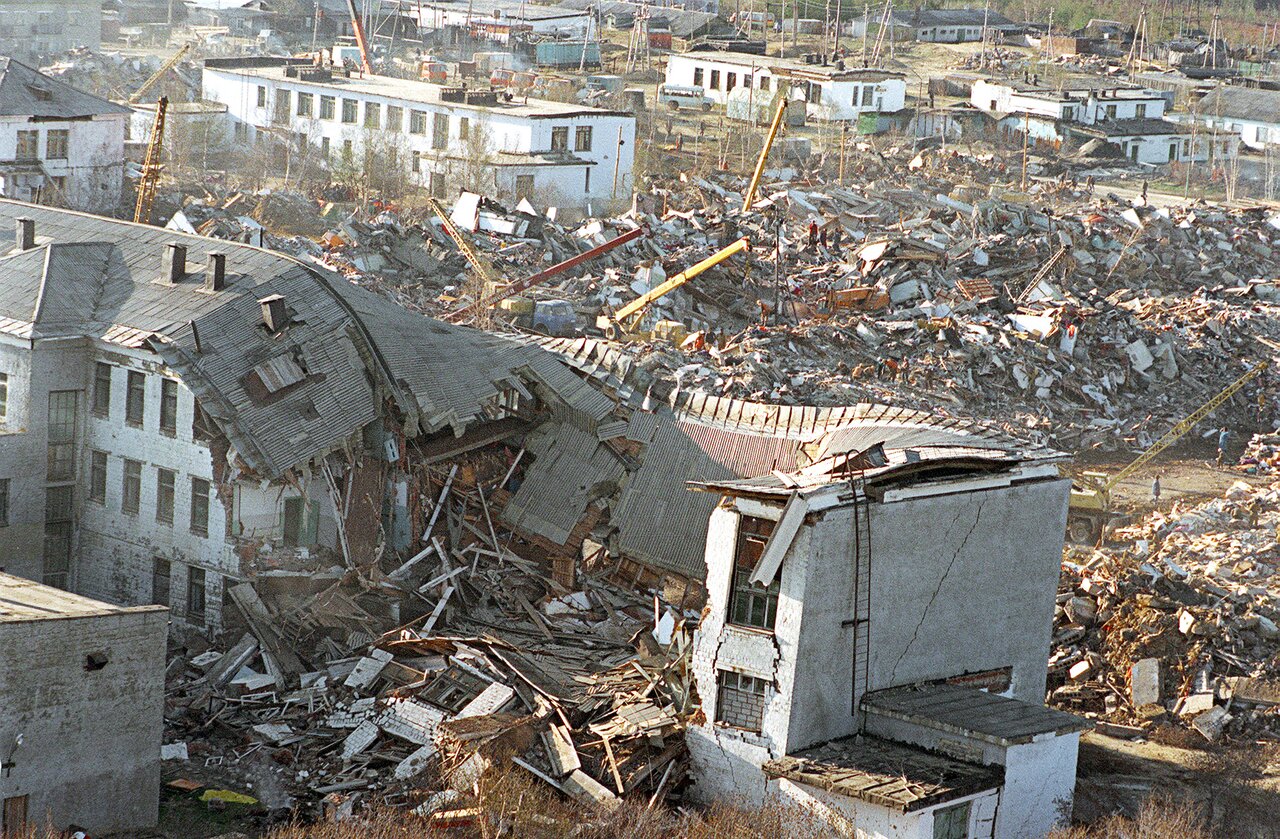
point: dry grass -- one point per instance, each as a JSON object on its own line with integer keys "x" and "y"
{"x": 1158, "y": 819}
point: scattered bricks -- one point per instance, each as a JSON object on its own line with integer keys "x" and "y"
{"x": 1080, "y": 671}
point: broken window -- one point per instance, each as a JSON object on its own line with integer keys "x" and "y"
{"x": 440, "y": 132}
{"x": 168, "y": 407}
{"x": 560, "y": 138}
{"x": 951, "y": 822}
{"x": 372, "y": 115}
{"x": 160, "y": 581}
{"x": 349, "y": 107}
{"x": 740, "y": 700}
{"x": 582, "y": 138}
{"x": 305, "y": 103}
{"x": 395, "y": 118}
{"x": 58, "y": 503}
{"x": 62, "y": 435}
{"x": 28, "y": 145}
{"x": 450, "y": 690}
{"x": 102, "y": 389}
{"x": 135, "y": 399}
{"x": 164, "y": 495}
{"x": 55, "y": 144}
{"x": 300, "y": 520}
{"x": 328, "y": 105}
{"x": 200, "y": 506}
{"x": 4, "y": 502}
{"x": 98, "y": 478}
{"x": 131, "y": 487}
{"x": 195, "y": 595}
{"x": 750, "y": 604}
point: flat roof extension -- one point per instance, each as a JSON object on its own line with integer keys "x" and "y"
{"x": 23, "y": 601}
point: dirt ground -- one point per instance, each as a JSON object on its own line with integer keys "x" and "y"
{"x": 1185, "y": 478}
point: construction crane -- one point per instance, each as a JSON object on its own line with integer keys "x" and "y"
{"x": 749, "y": 198}
{"x": 481, "y": 266}
{"x": 357, "y": 26}
{"x": 158, "y": 74}
{"x": 626, "y": 320}
{"x": 151, "y": 166}
{"x": 1090, "y": 506}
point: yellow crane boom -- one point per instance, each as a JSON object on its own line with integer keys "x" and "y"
{"x": 749, "y": 198}
{"x": 1189, "y": 422}
{"x": 151, "y": 166}
{"x": 158, "y": 74}
{"x": 474, "y": 259}
{"x": 632, "y": 311}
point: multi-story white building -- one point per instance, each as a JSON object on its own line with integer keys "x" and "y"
{"x": 883, "y": 672}
{"x": 1081, "y": 104}
{"x": 570, "y": 156}
{"x": 836, "y": 91}
{"x": 34, "y": 29}
{"x": 59, "y": 145}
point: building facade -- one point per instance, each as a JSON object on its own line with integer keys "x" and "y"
{"x": 81, "y": 711}
{"x": 32, "y": 30}
{"x": 59, "y": 145}
{"x": 832, "y": 92}
{"x": 829, "y": 600}
{"x": 574, "y": 157}
{"x": 1252, "y": 114}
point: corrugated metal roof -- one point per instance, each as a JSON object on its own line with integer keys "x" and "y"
{"x": 25, "y": 91}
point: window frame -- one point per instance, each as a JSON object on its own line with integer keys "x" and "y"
{"x": 200, "y": 489}
{"x": 305, "y": 104}
{"x": 57, "y": 142}
{"x": 582, "y": 138}
{"x": 131, "y": 487}
{"x": 350, "y": 107}
{"x": 102, "y": 373}
{"x": 166, "y": 495}
{"x": 28, "y": 141}
{"x": 947, "y": 814}
{"x": 731, "y": 684}
{"x": 559, "y": 138}
{"x": 197, "y": 582}
{"x": 60, "y": 426}
{"x": 169, "y": 407}
{"x": 159, "y": 563}
{"x": 328, "y": 107}
{"x": 5, "y": 488}
{"x": 135, "y": 399}
{"x": 99, "y": 466}
{"x": 749, "y": 605}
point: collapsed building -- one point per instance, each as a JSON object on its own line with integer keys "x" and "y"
{"x": 232, "y": 432}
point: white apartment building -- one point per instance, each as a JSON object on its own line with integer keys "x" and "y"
{"x": 498, "y": 20}
{"x": 34, "y": 29}
{"x": 1251, "y": 114}
{"x": 569, "y": 156}
{"x": 59, "y": 145}
{"x": 836, "y": 92}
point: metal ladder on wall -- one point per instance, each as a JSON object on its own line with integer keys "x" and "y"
{"x": 861, "y": 620}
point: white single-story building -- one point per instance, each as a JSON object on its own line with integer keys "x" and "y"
{"x": 1253, "y": 114}
{"x": 837, "y": 92}
{"x": 1083, "y": 104}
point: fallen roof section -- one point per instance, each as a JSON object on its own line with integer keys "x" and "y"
{"x": 900, "y": 777}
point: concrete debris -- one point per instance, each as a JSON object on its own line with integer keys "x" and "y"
{"x": 586, "y": 688}
{"x": 1174, "y": 622}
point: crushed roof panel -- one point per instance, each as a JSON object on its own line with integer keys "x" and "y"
{"x": 882, "y": 772}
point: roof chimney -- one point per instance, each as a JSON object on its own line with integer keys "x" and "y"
{"x": 175, "y": 263}
{"x": 215, "y": 272}
{"x": 273, "y": 313}
{"x": 26, "y": 237}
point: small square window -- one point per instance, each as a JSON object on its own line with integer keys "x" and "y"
{"x": 740, "y": 700}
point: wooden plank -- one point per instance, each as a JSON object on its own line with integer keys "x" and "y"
{"x": 563, "y": 756}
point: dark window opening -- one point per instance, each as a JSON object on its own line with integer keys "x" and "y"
{"x": 750, "y": 604}
{"x": 95, "y": 661}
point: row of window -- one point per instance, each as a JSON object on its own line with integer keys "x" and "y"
{"x": 56, "y": 142}
{"x": 166, "y": 485}
{"x": 161, "y": 589}
{"x": 135, "y": 402}
{"x": 419, "y": 121}
{"x": 730, "y": 80}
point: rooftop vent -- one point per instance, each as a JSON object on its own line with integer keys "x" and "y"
{"x": 274, "y": 315}
{"x": 481, "y": 97}
{"x": 175, "y": 263}
{"x": 215, "y": 272}
{"x": 453, "y": 94}
{"x": 26, "y": 234}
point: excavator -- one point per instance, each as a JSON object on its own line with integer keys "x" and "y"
{"x": 1091, "y": 509}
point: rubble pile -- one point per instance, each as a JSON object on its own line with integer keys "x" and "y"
{"x": 400, "y": 686}
{"x": 116, "y": 76}
{"x": 1177, "y": 622}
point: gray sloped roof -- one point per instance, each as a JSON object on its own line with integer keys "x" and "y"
{"x": 1256, "y": 105}
{"x": 25, "y": 91}
{"x": 975, "y": 713}
{"x": 343, "y": 349}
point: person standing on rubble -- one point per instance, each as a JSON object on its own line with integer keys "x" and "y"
{"x": 1144, "y": 193}
{"x": 1155, "y": 489}
{"x": 1224, "y": 438}
{"x": 813, "y": 235}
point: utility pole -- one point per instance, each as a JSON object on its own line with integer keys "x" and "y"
{"x": 1026, "y": 141}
